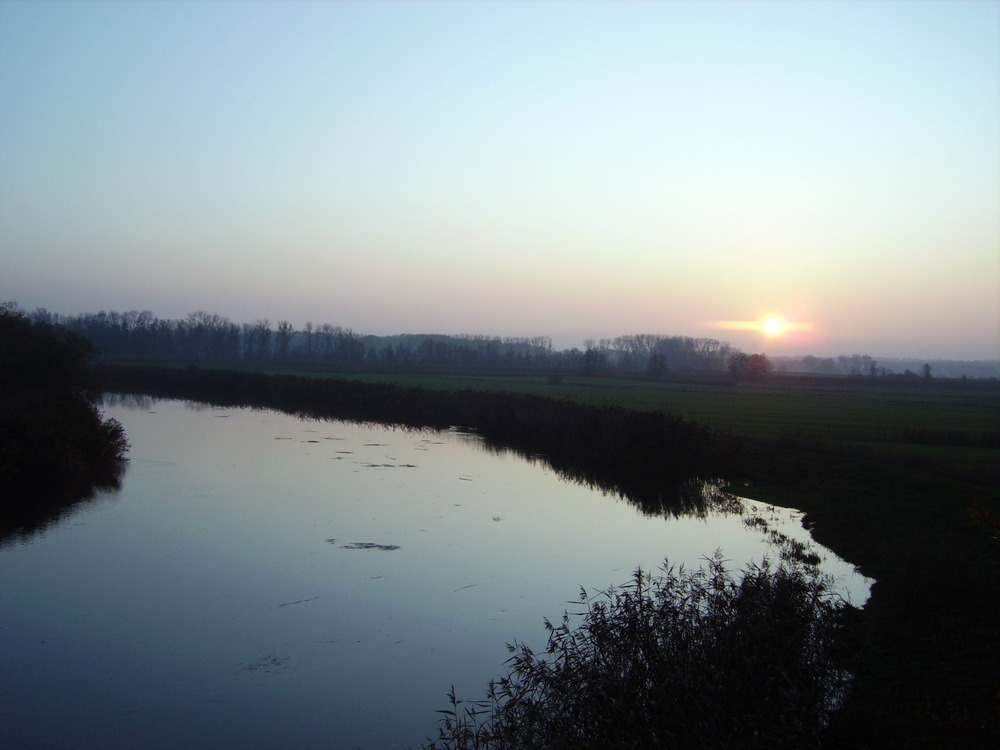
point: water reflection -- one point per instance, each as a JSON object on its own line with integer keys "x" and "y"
{"x": 654, "y": 484}
{"x": 26, "y": 514}
{"x": 647, "y": 457}
{"x": 268, "y": 581}
{"x": 696, "y": 496}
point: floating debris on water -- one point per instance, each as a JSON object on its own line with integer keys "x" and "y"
{"x": 370, "y": 545}
{"x": 268, "y": 663}
{"x": 300, "y": 601}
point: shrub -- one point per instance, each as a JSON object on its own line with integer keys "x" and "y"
{"x": 679, "y": 660}
{"x": 56, "y": 449}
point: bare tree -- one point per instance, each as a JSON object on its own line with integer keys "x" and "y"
{"x": 283, "y": 340}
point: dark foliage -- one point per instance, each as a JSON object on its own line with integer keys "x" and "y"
{"x": 750, "y": 367}
{"x": 56, "y": 448}
{"x": 681, "y": 660}
{"x": 41, "y": 357}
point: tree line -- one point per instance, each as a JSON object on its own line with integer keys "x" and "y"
{"x": 204, "y": 337}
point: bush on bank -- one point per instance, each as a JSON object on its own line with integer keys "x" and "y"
{"x": 55, "y": 447}
{"x": 683, "y": 659}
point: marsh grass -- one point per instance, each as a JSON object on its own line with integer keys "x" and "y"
{"x": 692, "y": 659}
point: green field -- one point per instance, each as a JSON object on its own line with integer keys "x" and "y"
{"x": 848, "y": 409}
{"x": 759, "y": 410}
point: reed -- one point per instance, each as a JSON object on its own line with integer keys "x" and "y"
{"x": 682, "y": 659}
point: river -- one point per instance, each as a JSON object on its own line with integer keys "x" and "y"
{"x": 262, "y": 580}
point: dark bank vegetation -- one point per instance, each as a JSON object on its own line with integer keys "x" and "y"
{"x": 682, "y": 659}
{"x": 649, "y": 458}
{"x": 55, "y": 448}
{"x": 922, "y": 524}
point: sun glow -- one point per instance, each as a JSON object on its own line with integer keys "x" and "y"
{"x": 770, "y": 326}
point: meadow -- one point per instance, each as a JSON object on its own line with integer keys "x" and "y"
{"x": 830, "y": 408}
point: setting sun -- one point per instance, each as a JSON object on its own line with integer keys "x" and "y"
{"x": 771, "y": 327}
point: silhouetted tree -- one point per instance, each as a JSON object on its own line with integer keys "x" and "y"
{"x": 749, "y": 366}
{"x": 593, "y": 361}
{"x": 308, "y": 341}
{"x": 55, "y": 448}
{"x": 283, "y": 340}
{"x": 259, "y": 339}
{"x": 657, "y": 364}
{"x": 856, "y": 364}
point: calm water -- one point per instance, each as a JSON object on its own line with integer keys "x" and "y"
{"x": 265, "y": 581}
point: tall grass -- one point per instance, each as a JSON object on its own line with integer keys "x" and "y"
{"x": 682, "y": 659}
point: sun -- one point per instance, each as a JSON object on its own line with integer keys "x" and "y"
{"x": 772, "y": 326}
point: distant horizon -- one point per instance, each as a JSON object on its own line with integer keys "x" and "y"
{"x": 559, "y": 343}
{"x": 574, "y": 170}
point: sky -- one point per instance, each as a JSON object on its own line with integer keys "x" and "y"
{"x": 580, "y": 170}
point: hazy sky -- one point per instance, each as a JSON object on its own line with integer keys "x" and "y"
{"x": 577, "y": 170}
